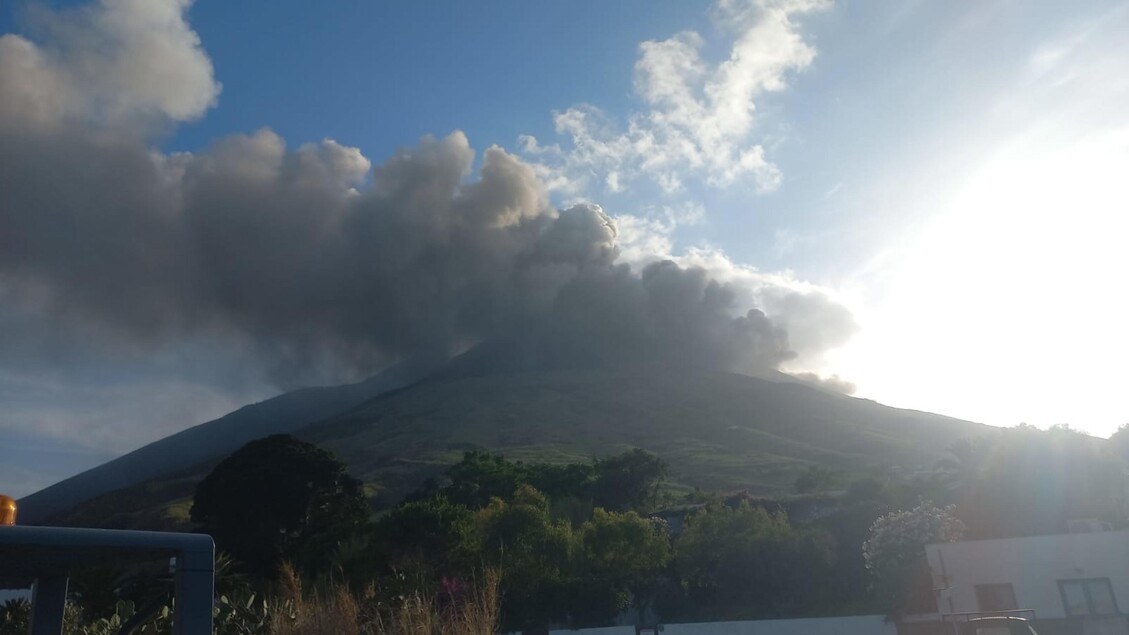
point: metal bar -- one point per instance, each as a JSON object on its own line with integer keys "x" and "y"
{"x": 100, "y": 538}
{"x": 195, "y": 571}
{"x": 48, "y": 601}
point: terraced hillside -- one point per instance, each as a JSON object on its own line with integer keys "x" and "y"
{"x": 717, "y": 431}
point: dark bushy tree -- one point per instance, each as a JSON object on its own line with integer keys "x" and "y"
{"x": 280, "y": 498}
{"x": 431, "y": 536}
{"x": 628, "y": 481}
{"x": 482, "y": 476}
{"x": 743, "y": 563}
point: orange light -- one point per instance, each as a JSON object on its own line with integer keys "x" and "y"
{"x": 7, "y": 510}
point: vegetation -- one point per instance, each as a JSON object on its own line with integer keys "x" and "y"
{"x": 278, "y": 499}
{"x": 497, "y": 544}
{"x": 895, "y": 553}
{"x": 566, "y": 559}
{"x": 717, "y": 431}
{"x": 1022, "y": 481}
{"x": 294, "y": 611}
{"x": 743, "y": 562}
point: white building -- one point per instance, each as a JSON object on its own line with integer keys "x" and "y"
{"x": 1072, "y": 583}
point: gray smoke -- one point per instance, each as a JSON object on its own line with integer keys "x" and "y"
{"x": 316, "y": 263}
{"x": 275, "y": 248}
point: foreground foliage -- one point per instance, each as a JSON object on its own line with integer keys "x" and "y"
{"x": 292, "y": 611}
{"x": 579, "y": 546}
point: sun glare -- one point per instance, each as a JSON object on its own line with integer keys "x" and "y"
{"x": 1013, "y": 298}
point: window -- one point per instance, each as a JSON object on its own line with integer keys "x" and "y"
{"x": 1092, "y": 596}
{"x": 996, "y": 597}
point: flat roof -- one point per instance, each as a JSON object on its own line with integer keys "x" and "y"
{"x": 1077, "y": 535}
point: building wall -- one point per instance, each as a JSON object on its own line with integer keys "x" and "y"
{"x": 609, "y": 630}
{"x": 853, "y": 625}
{"x": 1032, "y": 565}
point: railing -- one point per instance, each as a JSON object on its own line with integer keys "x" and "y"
{"x": 954, "y": 621}
{"x": 42, "y": 557}
{"x": 959, "y": 618}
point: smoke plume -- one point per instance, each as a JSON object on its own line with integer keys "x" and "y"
{"x": 311, "y": 259}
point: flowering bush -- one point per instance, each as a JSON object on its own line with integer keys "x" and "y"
{"x": 895, "y": 551}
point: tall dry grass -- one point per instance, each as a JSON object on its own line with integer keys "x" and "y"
{"x": 336, "y": 611}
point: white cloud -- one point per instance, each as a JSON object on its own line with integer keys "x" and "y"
{"x": 112, "y": 62}
{"x": 698, "y": 120}
{"x": 642, "y": 240}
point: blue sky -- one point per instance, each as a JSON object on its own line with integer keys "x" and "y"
{"x": 950, "y": 173}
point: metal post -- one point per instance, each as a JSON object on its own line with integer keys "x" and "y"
{"x": 48, "y": 601}
{"x": 194, "y": 588}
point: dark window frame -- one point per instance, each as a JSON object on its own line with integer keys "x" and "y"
{"x": 981, "y": 592}
{"x": 1085, "y": 583}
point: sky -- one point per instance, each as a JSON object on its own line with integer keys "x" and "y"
{"x": 204, "y": 204}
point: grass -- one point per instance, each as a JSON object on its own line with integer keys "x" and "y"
{"x": 337, "y": 611}
{"x": 178, "y": 510}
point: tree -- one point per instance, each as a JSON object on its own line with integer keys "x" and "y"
{"x": 1119, "y": 442}
{"x": 895, "y": 553}
{"x": 628, "y": 481}
{"x": 482, "y": 476}
{"x": 535, "y": 555}
{"x": 572, "y": 481}
{"x": 1033, "y": 482}
{"x": 431, "y": 534}
{"x": 628, "y": 553}
{"x": 741, "y": 563}
{"x": 280, "y": 498}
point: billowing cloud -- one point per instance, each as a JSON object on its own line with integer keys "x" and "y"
{"x": 292, "y": 261}
{"x": 277, "y": 250}
{"x": 111, "y": 61}
{"x": 816, "y": 320}
{"x": 698, "y": 118}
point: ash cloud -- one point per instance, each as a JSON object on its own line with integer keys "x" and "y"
{"x": 295, "y": 254}
{"x": 276, "y": 248}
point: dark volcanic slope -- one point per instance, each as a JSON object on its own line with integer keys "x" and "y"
{"x": 205, "y": 442}
{"x": 716, "y": 430}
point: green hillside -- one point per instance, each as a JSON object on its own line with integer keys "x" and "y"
{"x": 717, "y": 431}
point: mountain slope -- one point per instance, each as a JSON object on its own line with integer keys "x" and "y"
{"x": 207, "y": 442}
{"x": 715, "y": 430}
